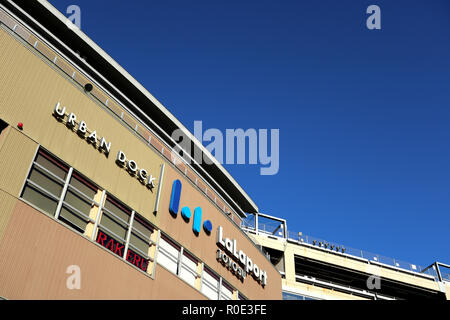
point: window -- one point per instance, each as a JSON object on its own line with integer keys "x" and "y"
{"x": 188, "y": 270}
{"x": 168, "y": 254}
{"x": 179, "y": 261}
{"x": 140, "y": 243}
{"x": 114, "y": 233}
{"x": 51, "y": 180}
{"x": 140, "y": 235}
{"x": 60, "y": 191}
{"x": 210, "y": 284}
{"x": 79, "y": 202}
{"x": 226, "y": 291}
{"x": 45, "y": 183}
{"x": 291, "y": 296}
{"x": 114, "y": 225}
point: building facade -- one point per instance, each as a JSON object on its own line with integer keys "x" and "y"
{"x": 315, "y": 269}
{"x": 94, "y": 203}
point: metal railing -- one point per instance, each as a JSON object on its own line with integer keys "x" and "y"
{"x": 296, "y": 237}
{"x": 443, "y": 271}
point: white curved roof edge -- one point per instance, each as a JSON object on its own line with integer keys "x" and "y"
{"x": 143, "y": 114}
{"x": 141, "y": 88}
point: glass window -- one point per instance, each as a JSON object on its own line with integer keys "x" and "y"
{"x": 114, "y": 244}
{"x": 188, "y": 270}
{"x": 45, "y": 183}
{"x": 168, "y": 254}
{"x": 83, "y": 185}
{"x": 115, "y": 222}
{"x": 117, "y": 208}
{"x": 210, "y": 284}
{"x": 73, "y": 219}
{"x": 40, "y": 199}
{"x": 140, "y": 242}
{"x": 78, "y": 202}
{"x": 142, "y": 226}
{"x": 116, "y": 213}
{"x": 51, "y": 164}
{"x": 112, "y": 225}
{"x": 292, "y": 296}
{"x": 226, "y": 291}
{"x": 140, "y": 235}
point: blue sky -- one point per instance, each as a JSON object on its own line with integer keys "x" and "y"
{"x": 363, "y": 114}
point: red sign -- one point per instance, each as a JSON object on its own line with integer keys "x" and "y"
{"x": 110, "y": 243}
{"x": 119, "y": 248}
{"x": 137, "y": 260}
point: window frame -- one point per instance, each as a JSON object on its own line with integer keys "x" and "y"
{"x": 129, "y": 228}
{"x": 137, "y": 233}
{"x": 28, "y": 183}
{"x": 167, "y": 254}
{"x": 66, "y": 187}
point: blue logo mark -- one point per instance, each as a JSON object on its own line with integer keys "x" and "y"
{"x": 186, "y": 213}
{"x": 175, "y": 197}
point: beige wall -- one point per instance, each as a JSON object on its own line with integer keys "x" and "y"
{"x": 30, "y": 88}
{"x": 7, "y": 203}
{"x": 16, "y": 154}
{"x": 36, "y": 252}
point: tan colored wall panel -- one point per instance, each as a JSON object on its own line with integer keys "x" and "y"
{"x": 16, "y": 154}
{"x": 7, "y": 203}
{"x": 3, "y": 135}
{"x": 42, "y": 249}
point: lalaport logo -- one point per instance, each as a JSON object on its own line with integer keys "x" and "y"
{"x": 186, "y": 213}
{"x": 232, "y": 258}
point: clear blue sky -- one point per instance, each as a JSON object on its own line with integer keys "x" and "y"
{"x": 364, "y": 115}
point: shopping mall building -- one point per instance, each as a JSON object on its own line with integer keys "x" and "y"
{"x": 89, "y": 183}
{"x": 96, "y": 204}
